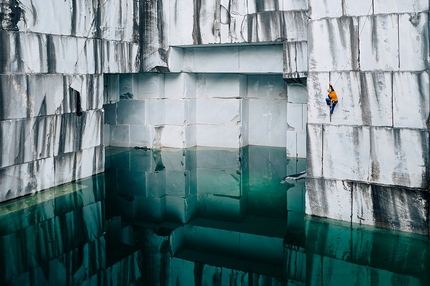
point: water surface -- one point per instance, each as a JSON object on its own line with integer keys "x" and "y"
{"x": 195, "y": 217}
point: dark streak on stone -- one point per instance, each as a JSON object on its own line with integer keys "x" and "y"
{"x": 4, "y": 51}
{"x": 18, "y": 51}
{"x": 73, "y": 19}
{"x": 374, "y": 38}
{"x": 2, "y": 106}
{"x": 197, "y": 37}
{"x": 52, "y": 60}
{"x": 198, "y": 267}
{"x": 366, "y": 111}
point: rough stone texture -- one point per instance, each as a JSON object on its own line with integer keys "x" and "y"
{"x": 376, "y": 143}
{"x": 52, "y": 87}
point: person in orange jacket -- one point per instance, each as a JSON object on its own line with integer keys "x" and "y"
{"x": 332, "y": 99}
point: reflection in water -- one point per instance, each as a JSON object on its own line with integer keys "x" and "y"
{"x": 195, "y": 217}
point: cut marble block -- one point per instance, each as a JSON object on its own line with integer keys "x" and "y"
{"x": 411, "y": 99}
{"x": 174, "y": 111}
{"x": 296, "y": 25}
{"x": 314, "y": 150}
{"x": 13, "y": 97}
{"x": 218, "y": 111}
{"x": 318, "y": 111}
{"x": 224, "y": 136}
{"x": 301, "y": 144}
{"x": 90, "y": 162}
{"x": 346, "y": 152}
{"x": 154, "y": 112}
{"x": 148, "y": 85}
{"x": 16, "y": 142}
{"x": 131, "y": 112}
{"x": 342, "y": 51}
{"x": 358, "y": 7}
{"x": 173, "y": 136}
{"x": 190, "y": 136}
{"x": 119, "y": 57}
{"x": 181, "y": 209}
{"x": 267, "y": 126}
{"x": 181, "y": 23}
{"x": 111, "y": 89}
{"x": 179, "y": 85}
{"x": 120, "y": 135}
{"x": 414, "y": 32}
{"x": 117, "y": 20}
{"x": 266, "y": 86}
{"x": 376, "y": 98}
{"x": 391, "y": 207}
{"x": 295, "y": 117}
{"x": 399, "y": 6}
{"x": 326, "y": 9}
{"x": 19, "y": 50}
{"x": 328, "y": 198}
{"x": 234, "y": 59}
{"x": 398, "y": 157}
{"x": 261, "y": 59}
{"x": 64, "y": 168}
{"x": 295, "y": 59}
{"x": 297, "y": 93}
{"x": 141, "y": 136}
{"x": 379, "y": 45}
{"x": 211, "y": 59}
{"x": 110, "y": 116}
{"x": 92, "y": 127}
{"x": 221, "y": 86}
{"x": 15, "y": 181}
{"x": 90, "y": 88}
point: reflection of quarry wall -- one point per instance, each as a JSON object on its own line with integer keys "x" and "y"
{"x": 53, "y": 56}
{"x": 370, "y": 164}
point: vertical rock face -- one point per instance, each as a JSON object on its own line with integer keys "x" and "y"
{"x": 201, "y": 91}
{"x": 52, "y": 62}
{"x": 369, "y": 162}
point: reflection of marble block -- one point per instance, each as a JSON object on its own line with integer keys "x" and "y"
{"x": 177, "y": 183}
{"x": 218, "y": 182}
{"x": 181, "y": 209}
{"x": 221, "y": 207}
{"x": 151, "y": 209}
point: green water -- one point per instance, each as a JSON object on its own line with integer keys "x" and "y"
{"x": 195, "y": 217}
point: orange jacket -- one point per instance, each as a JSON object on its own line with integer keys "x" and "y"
{"x": 333, "y": 96}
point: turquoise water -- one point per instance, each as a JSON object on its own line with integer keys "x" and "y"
{"x": 196, "y": 217}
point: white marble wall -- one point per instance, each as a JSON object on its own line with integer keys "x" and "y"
{"x": 206, "y": 109}
{"x": 52, "y": 88}
{"x": 376, "y": 54}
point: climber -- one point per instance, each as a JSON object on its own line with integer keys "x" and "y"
{"x": 332, "y": 99}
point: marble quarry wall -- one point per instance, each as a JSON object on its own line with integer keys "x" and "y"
{"x": 370, "y": 163}
{"x": 52, "y": 61}
{"x": 214, "y": 73}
